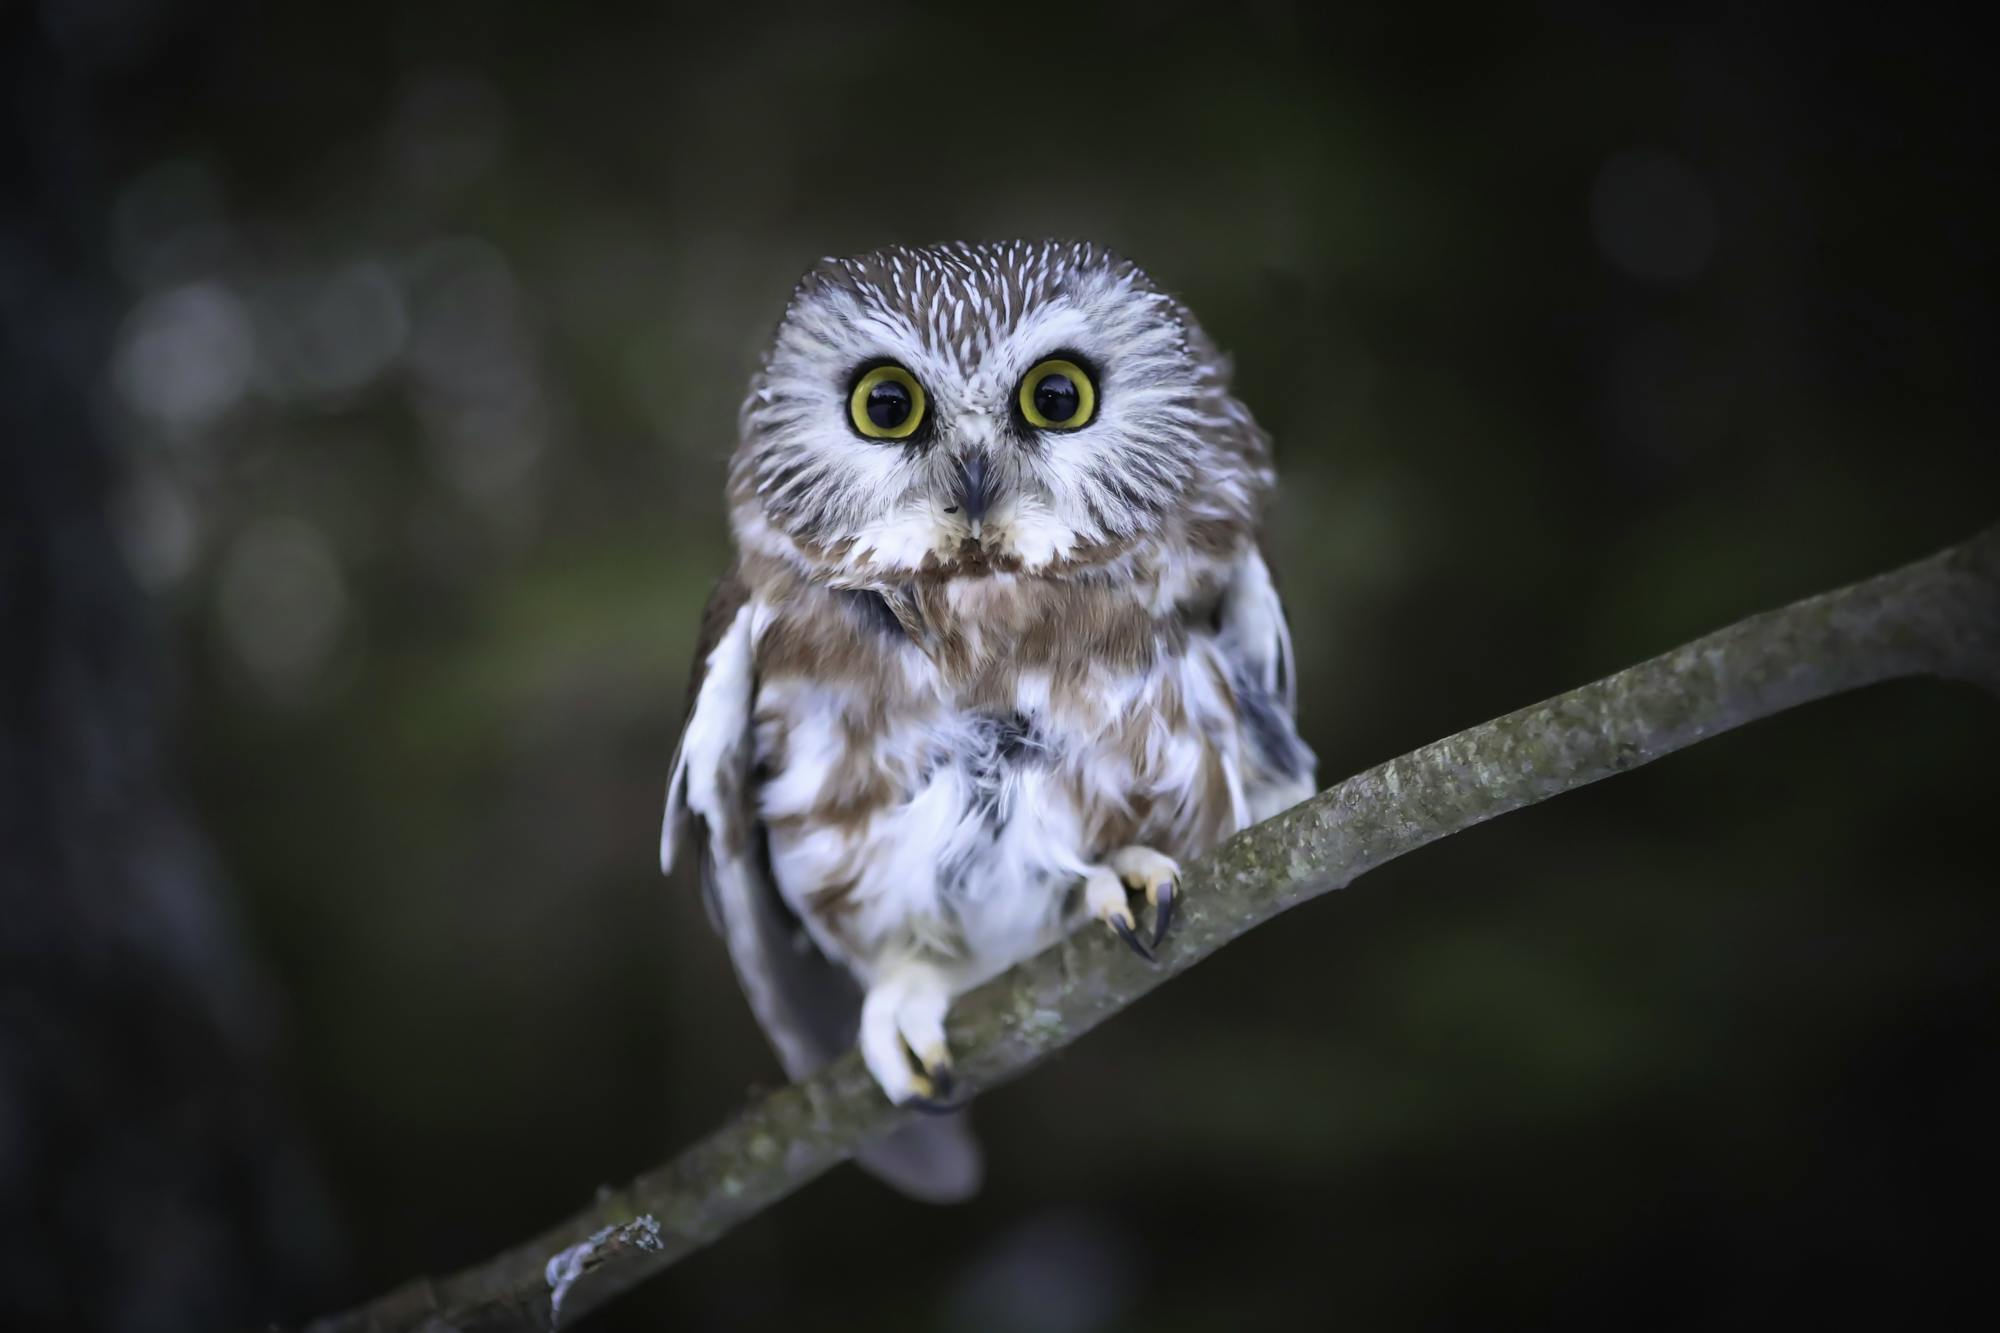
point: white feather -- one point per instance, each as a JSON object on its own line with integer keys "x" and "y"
{"x": 714, "y": 729}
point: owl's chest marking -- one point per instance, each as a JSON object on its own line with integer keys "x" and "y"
{"x": 999, "y": 747}
{"x": 947, "y": 797}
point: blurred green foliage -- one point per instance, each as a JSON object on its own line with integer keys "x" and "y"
{"x": 1578, "y": 336}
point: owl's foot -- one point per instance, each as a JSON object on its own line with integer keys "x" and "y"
{"x": 1136, "y": 868}
{"x": 1104, "y": 898}
{"x": 1156, "y": 876}
{"x": 902, "y": 1036}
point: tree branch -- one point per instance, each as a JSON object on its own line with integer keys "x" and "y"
{"x": 1938, "y": 617}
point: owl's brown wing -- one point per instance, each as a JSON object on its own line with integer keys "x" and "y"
{"x": 808, "y": 1006}
{"x": 1257, "y": 644}
{"x": 728, "y": 597}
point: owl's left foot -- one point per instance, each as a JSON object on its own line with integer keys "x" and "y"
{"x": 1143, "y": 870}
{"x": 902, "y": 1036}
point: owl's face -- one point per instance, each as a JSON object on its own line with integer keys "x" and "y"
{"x": 963, "y": 410}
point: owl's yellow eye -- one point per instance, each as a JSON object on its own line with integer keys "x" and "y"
{"x": 887, "y": 404}
{"x": 1058, "y": 395}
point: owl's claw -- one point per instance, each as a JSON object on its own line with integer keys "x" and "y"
{"x": 1163, "y": 910}
{"x": 1131, "y": 938}
{"x": 1158, "y": 877}
{"x": 934, "y": 1084}
{"x": 1104, "y": 895}
{"x": 928, "y": 1087}
{"x": 936, "y": 1081}
{"x": 942, "y": 1104}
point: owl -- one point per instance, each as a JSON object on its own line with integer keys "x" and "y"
{"x": 999, "y": 651}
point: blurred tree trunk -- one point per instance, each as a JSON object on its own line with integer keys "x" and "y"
{"x": 146, "y": 1178}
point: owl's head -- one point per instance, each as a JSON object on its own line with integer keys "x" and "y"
{"x": 962, "y": 410}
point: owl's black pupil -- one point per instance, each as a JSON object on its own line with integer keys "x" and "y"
{"x": 1055, "y": 398}
{"x": 888, "y": 405}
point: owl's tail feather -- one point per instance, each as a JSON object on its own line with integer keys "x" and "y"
{"x": 934, "y": 1160}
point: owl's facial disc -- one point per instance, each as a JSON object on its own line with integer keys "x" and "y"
{"x": 1025, "y": 408}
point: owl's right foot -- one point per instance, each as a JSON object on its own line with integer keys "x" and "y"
{"x": 902, "y": 1036}
{"x": 1141, "y": 869}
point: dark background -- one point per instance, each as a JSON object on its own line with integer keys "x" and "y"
{"x": 372, "y": 369}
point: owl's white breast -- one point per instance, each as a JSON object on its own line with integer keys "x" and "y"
{"x": 981, "y": 816}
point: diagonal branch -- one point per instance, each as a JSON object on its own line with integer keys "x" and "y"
{"x": 1938, "y": 617}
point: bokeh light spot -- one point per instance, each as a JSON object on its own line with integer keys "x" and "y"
{"x": 185, "y": 356}
{"x": 283, "y": 604}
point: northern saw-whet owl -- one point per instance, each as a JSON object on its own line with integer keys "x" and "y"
{"x": 999, "y": 649}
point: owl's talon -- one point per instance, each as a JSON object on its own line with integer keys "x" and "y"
{"x": 931, "y": 1088}
{"x": 1163, "y": 910}
{"x": 1155, "y": 874}
{"x": 932, "y": 1106}
{"x": 923, "y": 1089}
{"x": 1104, "y": 896}
{"x": 1131, "y": 937}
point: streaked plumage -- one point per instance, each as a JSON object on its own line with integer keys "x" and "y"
{"x": 959, "y": 685}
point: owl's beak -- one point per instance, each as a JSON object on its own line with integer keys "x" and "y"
{"x": 973, "y": 496}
